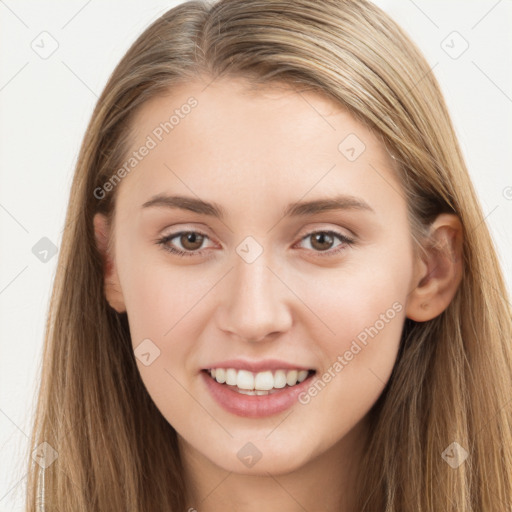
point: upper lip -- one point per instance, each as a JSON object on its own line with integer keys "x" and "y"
{"x": 257, "y": 366}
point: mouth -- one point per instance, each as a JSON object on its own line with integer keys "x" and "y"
{"x": 256, "y": 388}
{"x": 262, "y": 383}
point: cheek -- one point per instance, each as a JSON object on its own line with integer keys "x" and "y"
{"x": 348, "y": 300}
{"x": 160, "y": 303}
{"x": 160, "y": 300}
{"x": 157, "y": 294}
{"x": 362, "y": 311}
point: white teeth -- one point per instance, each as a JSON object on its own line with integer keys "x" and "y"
{"x": 231, "y": 377}
{"x": 220, "y": 375}
{"x": 280, "y": 379}
{"x": 291, "y": 377}
{"x": 264, "y": 381}
{"x": 252, "y": 392}
{"x": 245, "y": 380}
{"x": 258, "y": 383}
{"x": 302, "y": 375}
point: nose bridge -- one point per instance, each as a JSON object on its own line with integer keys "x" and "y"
{"x": 256, "y": 302}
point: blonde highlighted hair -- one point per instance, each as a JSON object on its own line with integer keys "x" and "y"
{"x": 452, "y": 379}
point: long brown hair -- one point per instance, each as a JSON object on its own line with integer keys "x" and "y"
{"x": 453, "y": 376}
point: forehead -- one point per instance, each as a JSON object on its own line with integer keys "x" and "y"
{"x": 225, "y": 137}
{"x": 231, "y": 113}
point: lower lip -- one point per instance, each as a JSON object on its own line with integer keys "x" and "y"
{"x": 254, "y": 406}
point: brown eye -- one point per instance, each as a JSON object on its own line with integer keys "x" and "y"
{"x": 183, "y": 243}
{"x": 191, "y": 241}
{"x": 321, "y": 241}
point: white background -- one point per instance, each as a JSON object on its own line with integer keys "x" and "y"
{"x": 45, "y": 105}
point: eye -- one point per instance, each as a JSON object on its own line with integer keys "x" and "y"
{"x": 189, "y": 240}
{"x": 323, "y": 240}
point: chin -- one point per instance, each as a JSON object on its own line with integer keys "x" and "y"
{"x": 260, "y": 457}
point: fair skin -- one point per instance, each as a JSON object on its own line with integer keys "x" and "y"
{"x": 254, "y": 154}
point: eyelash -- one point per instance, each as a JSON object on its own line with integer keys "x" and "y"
{"x": 344, "y": 239}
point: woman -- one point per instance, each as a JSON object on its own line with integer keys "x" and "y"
{"x": 205, "y": 350}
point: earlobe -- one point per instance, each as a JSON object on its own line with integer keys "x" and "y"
{"x": 112, "y": 286}
{"x": 440, "y": 273}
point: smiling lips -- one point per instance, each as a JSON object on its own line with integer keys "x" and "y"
{"x": 254, "y": 402}
{"x": 256, "y": 388}
{"x": 261, "y": 383}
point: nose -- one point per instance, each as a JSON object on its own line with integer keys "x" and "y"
{"x": 256, "y": 301}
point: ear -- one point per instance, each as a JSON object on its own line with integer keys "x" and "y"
{"x": 440, "y": 272}
{"x": 112, "y": 286}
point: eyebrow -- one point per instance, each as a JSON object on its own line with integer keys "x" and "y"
{"x": 299, "y": 208}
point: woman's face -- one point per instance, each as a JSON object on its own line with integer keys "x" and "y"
{"x": 268, "y": 285}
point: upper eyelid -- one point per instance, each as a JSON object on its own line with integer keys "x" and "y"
{"x": 305, "y": 232}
